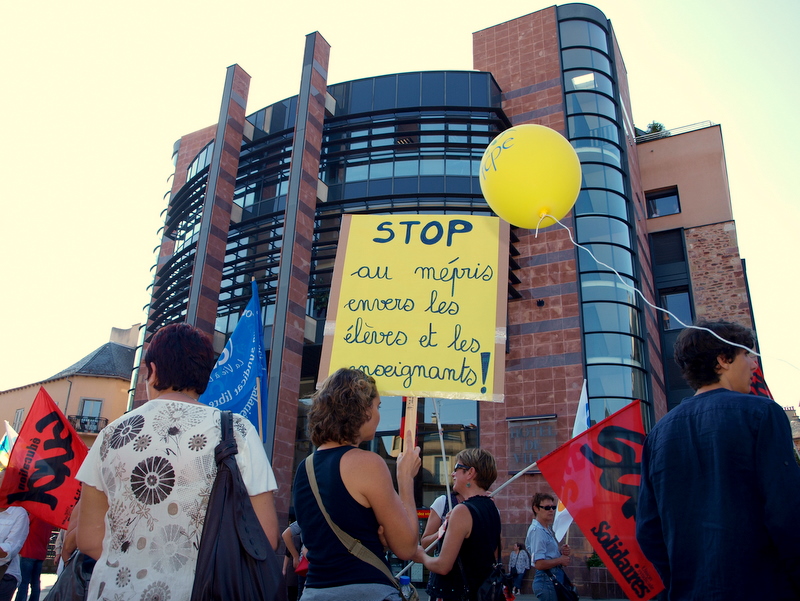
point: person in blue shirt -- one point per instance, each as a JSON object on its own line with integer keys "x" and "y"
{"x": 719, "y": 504}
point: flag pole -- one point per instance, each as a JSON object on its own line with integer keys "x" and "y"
{"x": 448, "y": 499}
{"x": 258, "y": 402}
{"x": 258, "y": 380}
{"x": 510, "y": 480}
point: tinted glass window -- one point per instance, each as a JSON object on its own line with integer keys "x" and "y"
{"x": 361, "y": 96}
{"x": 357, "y": 173}
{"x": 385, "y": 90}
{"x": 601, "y": 408}
{"x": 406, "y": 168}
{"x": 458, "y": 185}
{"x": 408, "y": 89}
{"x": 602, "y": 229}
{"x": 593, "y": 150}
{"x": 583, "y": 33}
{"x": 601, "y": 201}
{"x": 479, "y": 89}
{"x": 663, "y": 203}
{"x": 431, "y": 167}
{"x": 590, "y": 102}
{"x": 618, "y": 258}
{"x": 458, "y": 89}
{"x": 357, "y": 190}
{"x": 615, "y": 317}
{"x": 380, "y": 187}
{"x": 433, "y": 89}
{"x": 679, "y": 304}
{"x": 591, "y": 126}
{"x": 613, "y": 348}
{"x": 431, "y": 185}
{"x": 602, "y": 176}
{"x": 406, "y": 185}
{"x": 380, "y": 170}
{"x": 458, "y": 167}
{"x": 607, "y": 287}
{"x": 583, "y": 57}
{"x": 583, "y": 79}
{"x": 615, "y": 381}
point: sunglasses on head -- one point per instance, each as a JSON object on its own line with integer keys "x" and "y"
{"x": 548, "y": 507}
{"x": 461, "y": 466}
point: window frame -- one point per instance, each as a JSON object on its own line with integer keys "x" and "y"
{"x": 652, "y": 198}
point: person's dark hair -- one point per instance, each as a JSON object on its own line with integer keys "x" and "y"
{"x": 484, "y": 464}
{"x": 341, "y": 406}
{"x": 538, "y": 498}
{"x": 183, "y": 356}
{"x": 696, "y": 351}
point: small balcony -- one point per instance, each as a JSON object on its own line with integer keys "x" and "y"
{"x": 87, "y": 424}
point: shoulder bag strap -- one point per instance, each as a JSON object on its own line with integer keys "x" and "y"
{"x": 353, "y": 545}
{"x": 227, "y": 444}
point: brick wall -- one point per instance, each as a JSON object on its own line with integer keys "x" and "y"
{"x": 544, "y": 370}
{"x": 718, "y": 280}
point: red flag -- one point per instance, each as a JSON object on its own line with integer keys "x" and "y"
{"x": 758, "y": 386}
{"x": 44, "y": 462}
{"x": 597, "y": 476}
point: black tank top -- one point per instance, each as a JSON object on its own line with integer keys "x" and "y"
{"x": 330, "y": 564}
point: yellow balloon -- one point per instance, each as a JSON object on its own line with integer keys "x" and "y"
{"x": 529, "y": 171}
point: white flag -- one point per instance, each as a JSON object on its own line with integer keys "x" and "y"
{"x": 563, "y": 519}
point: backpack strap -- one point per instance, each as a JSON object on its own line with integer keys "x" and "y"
{"x": 353, "y": 545}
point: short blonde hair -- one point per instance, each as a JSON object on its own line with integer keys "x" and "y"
{"x": 484, "y": 464}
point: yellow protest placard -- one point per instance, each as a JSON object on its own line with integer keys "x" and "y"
{"x": 419, "y": 303}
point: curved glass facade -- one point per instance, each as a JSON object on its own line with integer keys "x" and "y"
{"x": 614, "y": 344}
{"x": 402, "y": 143}
{"x": 408, "y": 142}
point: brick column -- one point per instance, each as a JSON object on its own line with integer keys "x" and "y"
{"x": 286, "y": 355}
{"x": 201, "y": 310}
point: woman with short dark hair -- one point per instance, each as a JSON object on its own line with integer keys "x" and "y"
{"x": 356, "y": 490}
{"x": 148, "y": 477}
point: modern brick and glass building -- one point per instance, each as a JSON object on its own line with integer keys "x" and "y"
{"x": 261, "y": 195}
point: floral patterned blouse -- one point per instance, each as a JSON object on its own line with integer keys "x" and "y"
{"x": 156, "y": 466}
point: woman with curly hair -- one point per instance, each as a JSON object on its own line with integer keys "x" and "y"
{"x": 356, "y": 489}
{"x": 148, "y": 477}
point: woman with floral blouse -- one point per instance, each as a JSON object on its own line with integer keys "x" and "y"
{"x": 148, "y": 477}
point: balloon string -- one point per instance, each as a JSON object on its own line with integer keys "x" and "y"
{"x": 637, "y": 291}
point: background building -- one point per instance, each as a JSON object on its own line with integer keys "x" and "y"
{"x": 261, "y": 196}
{"x": 91, "y": 392}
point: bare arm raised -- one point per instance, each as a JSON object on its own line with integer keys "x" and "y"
{"x": 369, "y": 482}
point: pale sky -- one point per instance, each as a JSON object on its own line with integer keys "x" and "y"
{"x": 96, "y": 93}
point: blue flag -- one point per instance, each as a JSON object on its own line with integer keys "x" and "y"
{"x": 232, "y": 384}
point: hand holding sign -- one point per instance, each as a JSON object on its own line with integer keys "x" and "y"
{"x": 409, "y": 423}
{"x": 408, "y": 462}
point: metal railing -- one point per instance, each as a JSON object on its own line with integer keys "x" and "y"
{"x": 656, "y": 135}
{"x": 87, "y": 424}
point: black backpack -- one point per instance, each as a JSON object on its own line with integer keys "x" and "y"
{"x": 493, "y": 588}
